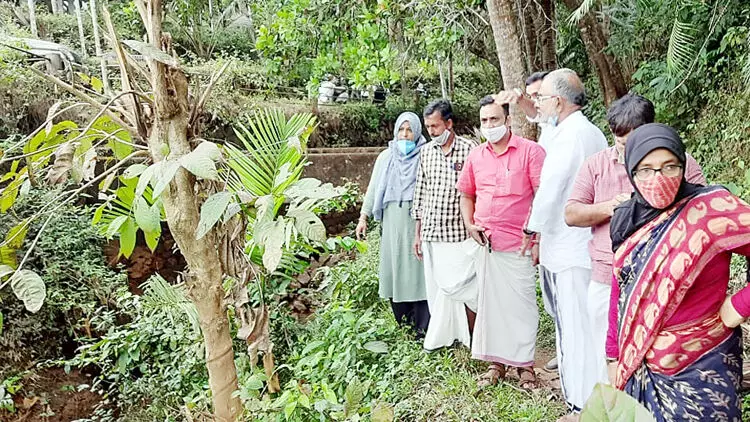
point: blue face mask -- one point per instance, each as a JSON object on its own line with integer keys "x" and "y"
{"x": 552, "y": 120}
{"x": 405, "y": 146}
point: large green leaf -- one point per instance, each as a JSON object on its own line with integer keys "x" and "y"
{"x": 308, "y": 224}
{"x": 201, "y": 161}
{"x": 127, "y": 237}
{"x": 163, "y": 174}
{"x": 211, "y": 211}
{"x": 273, "y": 243}
{"x": 29, "y": 288}
{"x": 147, "y": 217}
{"x": 607, "y": 403}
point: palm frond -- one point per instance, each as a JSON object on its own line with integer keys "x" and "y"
{"x": 581, "y": 11}
{"x": 160, "y": 296}
{"x": 682, "y": 45}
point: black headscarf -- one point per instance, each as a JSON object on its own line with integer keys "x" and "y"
{"x": 633, "y": 214}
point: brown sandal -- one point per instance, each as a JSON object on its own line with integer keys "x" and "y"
{"x": 495, "y": 373}
{"x": 527, "y": 379}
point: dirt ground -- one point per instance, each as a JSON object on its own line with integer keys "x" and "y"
{"x": 52, "y": 395}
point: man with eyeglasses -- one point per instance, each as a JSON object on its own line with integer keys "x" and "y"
{"x": 563, "y": 253}
{"x": 526, "y": 102}
{"x": 601, "y": 185}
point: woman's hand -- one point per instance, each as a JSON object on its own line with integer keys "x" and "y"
{"x": 729, "y": 316}
{"x": 361, "y": 229}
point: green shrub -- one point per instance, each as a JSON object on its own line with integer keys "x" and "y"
{"x": 69, "y": 257}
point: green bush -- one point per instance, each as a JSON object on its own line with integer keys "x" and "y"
{"x": 69, "y": 257}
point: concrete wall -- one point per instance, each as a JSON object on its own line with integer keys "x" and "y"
{"x": 337, "y": 165}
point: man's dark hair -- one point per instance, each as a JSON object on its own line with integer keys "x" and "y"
{"x": 490, "y": 100}
{"x": 536, "y": 76}
{"x": 628, "y": 113}
{"x": 442, "y": 106}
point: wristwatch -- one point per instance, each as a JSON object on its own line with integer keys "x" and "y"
{"x": 528, "y": 232}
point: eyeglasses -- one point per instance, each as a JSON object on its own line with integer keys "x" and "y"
{"x": 540, "y": 98}
{"x": 671, "y": 170}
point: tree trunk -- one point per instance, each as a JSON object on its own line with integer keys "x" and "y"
{"x": 54, "y": 5}
{"x": 443, "y": 89}
{"x": 546, "y": 33}
{"x": 81, "y": 33}
{"x": 510, "y": 53}
{"x": 32, "y": 18}
{"x": 451, "y": 85}
{"x": 98, "y": 46}
{"x": 181, "y": 206}
{"x": 608, "y": 70}
{"x": 526, "y": 11}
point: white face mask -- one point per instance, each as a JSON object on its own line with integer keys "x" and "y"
{"x": 494, "y": 134}
{"x": 442, "y": 138}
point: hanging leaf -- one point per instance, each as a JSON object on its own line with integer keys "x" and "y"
{"x": 145, "y": 178}
{"x": 50, "y": 116}
{"x": 29, "y": 288}
{"x": 134, "y": 171}
{"x": 127, "y": 237}
{"x": 273, "y": 242}
{"x": 163, "y": 175}
{"x": 97, "y": 84}
{"x": 8, "y": 197}
{"x": 58, "y": 174}
{"x": 610, "y": 404}
{"x": 148, "y": 218}
{"x": 211, "y": 211}
{"x": 115, "y": 225}
{"x": 308, "y": 224}
{"x": 152, "y": 240}
{"x": 151, "y": 52}
{"x": 200, "y": 161}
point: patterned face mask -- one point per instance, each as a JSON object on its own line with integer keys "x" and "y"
{"x": 659, "y": 191}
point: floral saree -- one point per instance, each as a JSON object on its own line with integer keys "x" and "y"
{"x": 691, "y": 371}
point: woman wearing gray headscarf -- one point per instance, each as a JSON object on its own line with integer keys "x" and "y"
{"x": 388, "y": 200}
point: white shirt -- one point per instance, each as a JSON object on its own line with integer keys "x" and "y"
{"x": 567, "y": 145}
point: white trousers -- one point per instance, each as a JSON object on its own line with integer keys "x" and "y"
{"x": 576, "y": 356}
{"x": 598, "y": 309}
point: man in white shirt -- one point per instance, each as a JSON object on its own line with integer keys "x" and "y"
{"x": 563, "y": 249}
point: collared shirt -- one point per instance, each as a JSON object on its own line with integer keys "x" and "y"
{"x": 504, "y": 186}
{"x": 436, "y": 199}
{"x": 601, "y": 179}
{"x": 569, "y": 144}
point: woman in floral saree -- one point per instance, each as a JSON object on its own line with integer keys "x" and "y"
{"x": 674, "y": 342}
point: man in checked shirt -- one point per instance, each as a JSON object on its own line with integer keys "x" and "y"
{"x": 441, "y": 239}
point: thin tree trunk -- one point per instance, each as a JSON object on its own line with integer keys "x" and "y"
{"x": 98, "y": 46}
{"x": 81, "y": 34}
{"x": 608, "y": 70}
{"x": 525, "y": 11}
{"x": 443, "y": 89}
{"x": 181, "y": 205}
{"x": 510, "y": 53}
{"x": 451, "y": 85}
{"x": 54, "y": 5}
{"x": 547, "y": 38}
{"x": 32, "y": 18}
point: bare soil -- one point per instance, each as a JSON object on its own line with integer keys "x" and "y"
{"x": 52, "y": 395}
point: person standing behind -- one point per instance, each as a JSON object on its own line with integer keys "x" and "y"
{"x": 563, "y": 251}
{"x": 441, "y": 238}
{"x": 497, "y": 187}
{"x": 389, "y": 199}
{"x": 601, "y": 185}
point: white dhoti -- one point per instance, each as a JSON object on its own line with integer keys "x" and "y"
{"x": 598, "y": 309}
{"x": 507, "y": 316}
{"x": 576, "y": 356}
{"x": 450, "y": 280}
